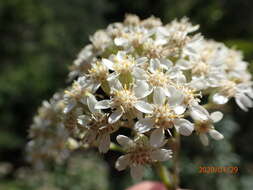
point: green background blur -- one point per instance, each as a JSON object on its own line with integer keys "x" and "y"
{"x": 40, "y": 39}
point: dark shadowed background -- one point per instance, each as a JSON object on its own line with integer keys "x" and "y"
{"x": 40, "y": 39}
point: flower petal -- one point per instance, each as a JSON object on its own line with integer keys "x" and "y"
{"x": 157, "y": 137}
{"x": 139, "y": 73}
{"x": 199, "y": 113}
{"x": 161, "y": 155}
{"x": 141, "y": 89}
{"x": 204, "y": 139}
{"x": 159, "y": 96}
{"x": 104, "y": 104}
{"x": 137, "y": 171}
{"x": 154, "y": 65}
{"x": 216, "y": 116}
{"x": 144, "y": 125}
{"x": 143, "y": 107}
{"x": 166, "y": 63}
{"x": 220, "y": 99}
{"x": 124, "y": 141}
{"x": 215, "y": 134}
{"x": 120, "y": 41}
{"x": 83, "y": 120}
{"x": 69, "y": 107}
{"x": 115, "y": 84}
{"x": 115, "y": 116}
{"x": 184, "y": 126}
{"x": 108, "y": 64}
{"x": 243, "y": 101}
{"x": 179, "y": 109}
{"x": 122, "y": 162}
{"x": 91, "y": 101}
{"x": 176, "y": 97}
{"x": 183, "y": 64}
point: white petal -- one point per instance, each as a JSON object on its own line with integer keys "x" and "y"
{"x": 154, "y": 65}
{"x": 144, "y": 125}
{"x": 143, "y": 107}
{"x": 83, "y": 120}
{"x": 112, "y": 76}
{"x": 69, "y": 107}
{"x": 115, "y": 116}
{"x": 115, "y": 84}
{"x": 216, "y": 116}
{"x": 167, "y": 63}
{"x": 120, "y": 41}
{"x": 183, "y": 64}
{"x": 179, "y": 109}
{"x": 176, "y": 97}
{"x": 139, "y": 73}
{"x": 157, "y": 137}
{"x": 184, "y": 126}
{"x": 122, "y": 162}
{"x": 137, "y": 171}
{"x": 243, "y": 101}
{"x": 199, "y": 113}
{"x": 220, "y": 99}
{"x": 250, "y": 92}
{"x": 108, "y": 64}
{"x": 141, "y": 60}
{"x": 204, "y": 139}
{"x": 215, "y": 134}
{"x": 141, "y": 89}
{"x": 104, "y": 143}
{"x": 91, "y": 101}
{"x": 104, "y": 104}
{"x": 161, "y": 155}
{"x": 159, "y": 96}
{"x": 199, "y": 83}
{"x": 124, "y": 141}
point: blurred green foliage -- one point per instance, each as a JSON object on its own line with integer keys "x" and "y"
{"x": 70, "y": 175}
{"x": 40, "y": 39}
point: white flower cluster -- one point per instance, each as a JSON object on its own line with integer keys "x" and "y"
{"x": 48, "y": 134}
{"x": 154, "y": 79}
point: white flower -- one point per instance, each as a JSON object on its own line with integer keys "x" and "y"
{"x": 161, "y": 117}
{"x": 139, "y": 153}
{"x": 242, "y": 92}
{"x": 205, "y": 125}
{"x": 101, "y": 40}
{"x": 124, "y": 99}
{"x": 78, "y": 93}
{"x": 97, "y": 127}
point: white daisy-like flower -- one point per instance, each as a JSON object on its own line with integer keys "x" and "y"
{"x": 139, "y": 153}
{"x": 204, "y": 126}
{"x": 242, "y": 92}
{"x": 78, "y": 93}
{"x": 161, "y": 117}
{"x": 124, "y": 99}
{"x": 122, "y": 63}
{"x": 98, "y": 130}
{"x": 101, "y": 40}
{"x": 97, "y": 127}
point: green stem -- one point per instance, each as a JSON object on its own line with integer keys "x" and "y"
{"x": 116, "y": 147}
{"x": 164, "y": 175}
{"x": 175, "y": 157}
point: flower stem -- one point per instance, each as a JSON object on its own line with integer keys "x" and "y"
{"x": 176, "y": 150}
{"x": 116, "y": 147}
{"x": 164, "y": 175}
